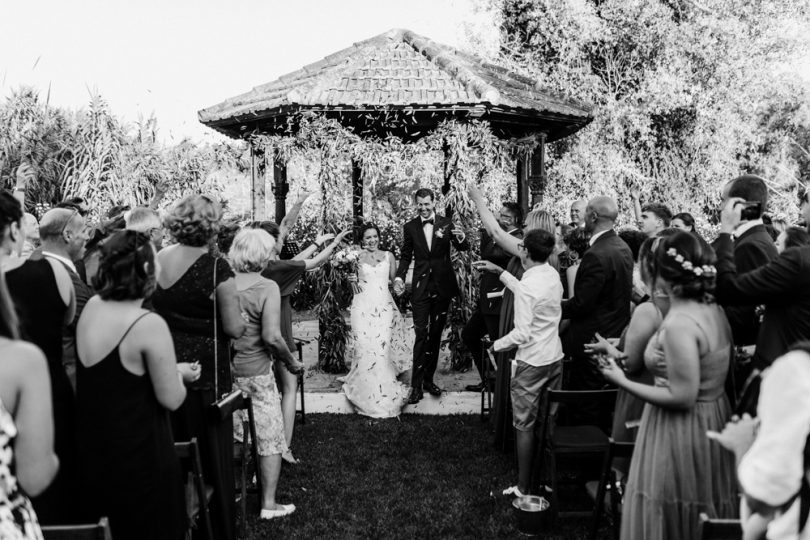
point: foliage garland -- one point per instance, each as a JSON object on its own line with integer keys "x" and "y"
{"x": 471, "y": 154}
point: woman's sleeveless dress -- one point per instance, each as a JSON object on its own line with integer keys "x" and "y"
{"x": 17, "y": 518}
{"x": 42, "y": 312}
{"x": 188, "y": 308}
{"x": 676, "y": 472}
{"x": 130, "y": 472}
{"x": 379, "y": 347}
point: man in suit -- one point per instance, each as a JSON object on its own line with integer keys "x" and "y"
{"x": 484, "y": 321}
{"x": 426, "y": 241}
{"x": 783, "y": 285}
{"x": 602, "y": 291}
{"x": 753, "y": 248}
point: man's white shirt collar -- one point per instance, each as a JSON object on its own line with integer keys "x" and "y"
{"x": 596, "y": 236}
{"x": 743, "y": 227}
{"x": 64, "y": 260}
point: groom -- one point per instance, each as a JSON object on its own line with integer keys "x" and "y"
{"x": 426, "y": 241}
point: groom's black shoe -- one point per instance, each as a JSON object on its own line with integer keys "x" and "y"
{"x": 416, "y": 396}
{"x": 432, "y": 389}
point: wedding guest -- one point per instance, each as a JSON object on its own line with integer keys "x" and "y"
{"x": 144, "y": 219}
{"x": 645, "y": 321}
{"x": 576, "y": 242}
{"x": 655, "y": 217}
{"x": 634, "y": 239}
{"x": 44, "y": 300}
{"x": 63, "y": 233}
{"x": 772, "y": 451}
{"x": 782, "y": 285}
{"x": 128, "y": 381}
{"x": 536, "y": 219}
{"x": 484, "y": 320}
{"x": 792, "y": 237}
{"x": 578, "y": 213}
{"x": 676, "y": 473}
{"x": 601, "y": 299}
{"x": 260, "y": 303}
{"x": 535, "y": 336}
{"x": 28, "y": 463}
{"x": 196, "y": 295}
{"x": 286, "y": 274}
{"x": 227, "y": 232}
{"x": 753, "y": 248}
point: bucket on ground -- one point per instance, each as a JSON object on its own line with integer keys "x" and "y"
{"x": 532, "y": 513}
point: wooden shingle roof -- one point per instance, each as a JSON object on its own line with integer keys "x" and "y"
{"x": 402, "y": 71}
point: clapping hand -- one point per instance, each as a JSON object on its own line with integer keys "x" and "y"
{"x": 602, "y": 347}
{"x": 190, "y": 372}
{"x": 738, "y": 435}
{"x": 304, "y": 195}
{"x": 487, "y": 266}
{"x": 25, "y": 175}
{"x": 324, "y": 238}
{"x": 610, "y": 370}
{"x": 340, "y": 237}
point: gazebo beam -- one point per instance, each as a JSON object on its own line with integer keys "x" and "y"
{"x": 280, "y": 187}
{"x": 357, "y": 200}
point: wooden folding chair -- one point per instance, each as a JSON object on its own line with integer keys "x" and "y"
{"x": 227, "y": 406}
{"x": 299, "y": 345}
{"x": 597, "y": 490}
{"x": 573, "y": 440}
{"x": 719, "y": 529}
{"x": 189, "y": 455}
{"x": 96, "y": 531}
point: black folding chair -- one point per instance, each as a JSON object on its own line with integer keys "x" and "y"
{"x": 299, "y": 345}
{"x": 488, "y": 374}
{"x": 608, "y": 481}
{"x": 189, "y": 455}
{"x": 582, "y": 440}
{"x": 96, "y": 531}
{"x": 719, "y": 529}
{"x": 227, "y": 406}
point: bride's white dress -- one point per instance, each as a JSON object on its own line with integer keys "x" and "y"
{"x": 379, "y": 347}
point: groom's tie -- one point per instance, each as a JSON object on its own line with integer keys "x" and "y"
{"x": 427, "y": 227}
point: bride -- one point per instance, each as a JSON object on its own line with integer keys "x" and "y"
{"x": 379, "y": 353}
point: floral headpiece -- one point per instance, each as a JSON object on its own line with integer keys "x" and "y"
{"x": 706, "y": 270}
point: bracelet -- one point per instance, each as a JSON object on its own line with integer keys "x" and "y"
{"x": 317, "y": 245}
{"x": 18, "y": 188}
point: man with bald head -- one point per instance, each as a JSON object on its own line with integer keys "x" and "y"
{"x": 63, "y": 233}
{"x": 578, "y": 213}
{"x": 601, "y": 299}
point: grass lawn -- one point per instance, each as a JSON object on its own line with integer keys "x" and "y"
{"x": 418, "y": 477}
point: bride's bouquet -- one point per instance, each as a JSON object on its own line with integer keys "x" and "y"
{"x": 347, "y": 261}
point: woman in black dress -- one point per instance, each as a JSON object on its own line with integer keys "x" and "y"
{"x": 196, "y": 295}
{"x": 127, "y": 381}
{"x": 43, "y": 297}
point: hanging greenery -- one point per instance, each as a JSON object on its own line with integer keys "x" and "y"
{"x": 455, "y": 154}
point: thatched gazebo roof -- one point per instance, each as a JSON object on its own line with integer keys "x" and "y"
{"x": 403, "y": 84}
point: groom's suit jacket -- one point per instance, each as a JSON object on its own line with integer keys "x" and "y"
{"x": 433, "y": 270}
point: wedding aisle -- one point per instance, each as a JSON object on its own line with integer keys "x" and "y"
{"x": 418, "y": 477}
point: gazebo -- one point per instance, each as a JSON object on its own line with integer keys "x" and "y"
{"x": 400, "y": 84}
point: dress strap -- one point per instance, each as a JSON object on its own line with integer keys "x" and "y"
{"x": 131, "y": 326}
{"x": 700, "y": 326}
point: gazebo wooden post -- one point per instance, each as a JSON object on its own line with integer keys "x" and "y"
{"x": 537, "y": 170}
{"x": 280, "y": 187}
{"x": 522, "y": 174}
{"x": 257, "y": 183}
{"x": 447, "y": 173}
{"x": 357, "y": 200}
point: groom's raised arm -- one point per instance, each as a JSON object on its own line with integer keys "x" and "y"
{"x": 406, "y": 256}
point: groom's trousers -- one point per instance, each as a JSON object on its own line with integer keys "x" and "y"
{"x": 429, "y": 318}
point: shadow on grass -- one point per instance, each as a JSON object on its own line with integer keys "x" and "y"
{"x": 418, "y": 477}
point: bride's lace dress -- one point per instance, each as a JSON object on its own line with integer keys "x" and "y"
{"x": 379, "y": 347}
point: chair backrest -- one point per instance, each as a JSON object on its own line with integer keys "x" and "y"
{"x": 579, "y": 396}
{"x": 97, "y": 531}
{"x": 621, "y": 449}
{"x": 231, "y": 403}
{"x": 719, "y": 529}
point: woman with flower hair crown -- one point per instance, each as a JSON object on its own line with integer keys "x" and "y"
{"x": 676, "y": 472}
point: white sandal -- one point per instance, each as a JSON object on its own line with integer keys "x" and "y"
{"x": 286, "y": 510}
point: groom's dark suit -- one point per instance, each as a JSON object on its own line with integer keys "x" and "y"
{"x": 434, "y": 285}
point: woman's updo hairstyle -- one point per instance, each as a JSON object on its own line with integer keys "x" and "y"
{"x": 126, "y": 269}
{"x": 195, "y": 220}
{"x": 687, "y": 264}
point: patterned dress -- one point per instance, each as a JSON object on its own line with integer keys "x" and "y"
{"x": 17, "y": 518}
